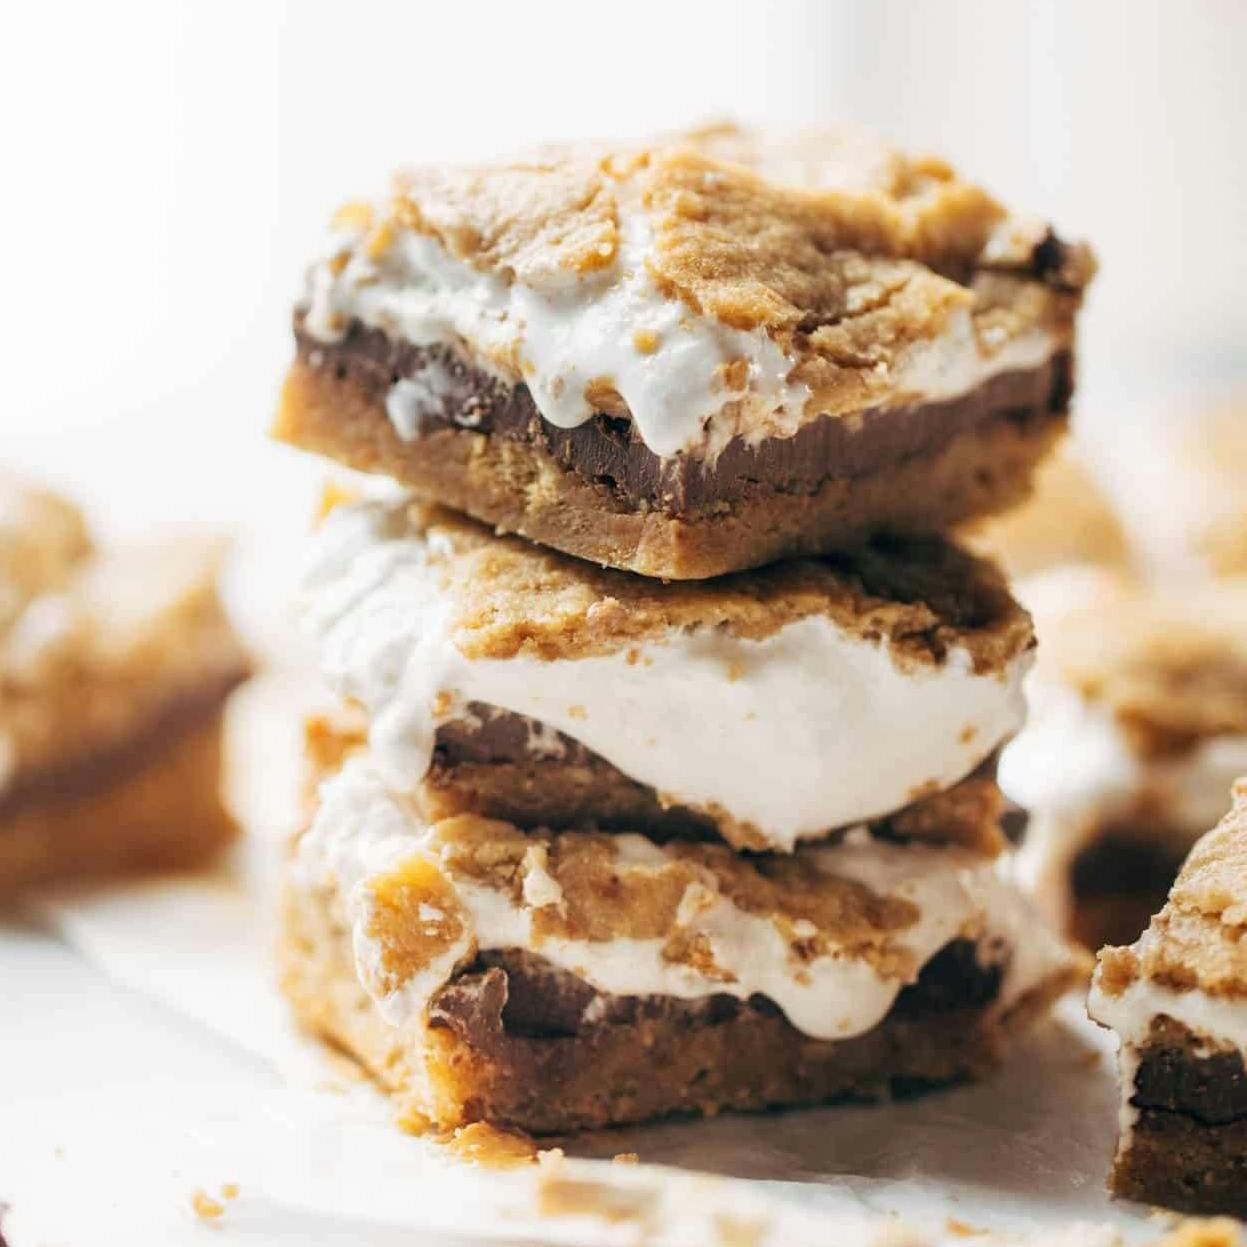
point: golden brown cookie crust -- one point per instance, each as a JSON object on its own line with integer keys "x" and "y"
{"x": 1198, "y": 941}
{"x": 922, "y": 597}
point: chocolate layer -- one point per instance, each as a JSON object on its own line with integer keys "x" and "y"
{"x": 1211, "y": 1088}
{"x": 518, "y": 993}
{"x": 499, "y": 764}
{"x": 607, "y": 451}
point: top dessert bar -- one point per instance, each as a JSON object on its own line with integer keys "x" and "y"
{"x": 692, "y": 357}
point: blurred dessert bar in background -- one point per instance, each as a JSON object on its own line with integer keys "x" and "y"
{"x": 693, "y": 357}
{"x": 1177, "y": 999}
{"x": 115, "y": 667}
{"x": 1137, "y": 729}
{"x": 554, "y": 981}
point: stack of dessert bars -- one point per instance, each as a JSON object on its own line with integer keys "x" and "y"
{"x": 665, "y": 774}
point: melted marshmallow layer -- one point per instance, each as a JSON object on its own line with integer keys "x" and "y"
{"x": 809, "y": 729}
{"x": 573, "y": 332}
{"x": 362, "y": 835}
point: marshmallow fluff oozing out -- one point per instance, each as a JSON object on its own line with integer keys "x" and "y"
{"x": 362, "y": 833}
{"x": 808, "y": 729}
{"x": 568, "y": 332}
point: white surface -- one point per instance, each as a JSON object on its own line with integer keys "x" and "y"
{"x": 151, "y": 1057}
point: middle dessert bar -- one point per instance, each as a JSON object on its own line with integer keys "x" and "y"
{"x": 770, "y": 707}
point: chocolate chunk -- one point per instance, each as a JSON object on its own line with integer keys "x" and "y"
{"x": 1212, "y": 1088}
{"x": 520, "y": 994}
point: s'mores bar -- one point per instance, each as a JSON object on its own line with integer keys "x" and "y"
{"x": 694, "y": 356}
{"x": 873, "y": 686}
{"x": 1177, "y": 999}
{"x": 114, "y": 670}
{"x": 557, "y": 980}
{"x": 1137, "y": 729}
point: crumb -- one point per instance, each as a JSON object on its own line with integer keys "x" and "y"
{"x": 205, "y": 1207}
{"x": 736, "y": 1231}
{"x": 230, "y": 1190}
{"x": 968, "y": 733}
{"x": 645, "y": 341}
{"x": 412, "y": 1121}
{"x": 486, "y": 1145}
{"x": 626, "y": 1158}
{"x": 559, "y": 1196}
{"x": 963, "y": 1229}
{"x": 577, "y": 712}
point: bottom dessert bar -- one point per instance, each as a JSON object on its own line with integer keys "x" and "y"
{"x": 556, "y": 981}
{"x": 1177, "y": 999}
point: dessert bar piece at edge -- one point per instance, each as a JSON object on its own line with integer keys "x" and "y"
{"x": 1137, "y": 729}
{"x": 696, "y": 356}
{"x": 767, "y": 707}
{"x": 114, "y": 671}
{"x": 1177, "y": 999}
{"x": 552, "y": 981}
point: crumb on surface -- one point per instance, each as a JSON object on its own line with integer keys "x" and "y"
{"x": 482, "y": 1144}
{"x": 205, "y": 1207}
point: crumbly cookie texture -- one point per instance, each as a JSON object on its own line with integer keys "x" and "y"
{"x": 580, "y": 887}
{"x": 844, "y": 251}
{"x": 920, "y": 595}
{"x": 1198, "y": 942}
{"x": 43, "y": 538}
{"x": 1067, "y": 519}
